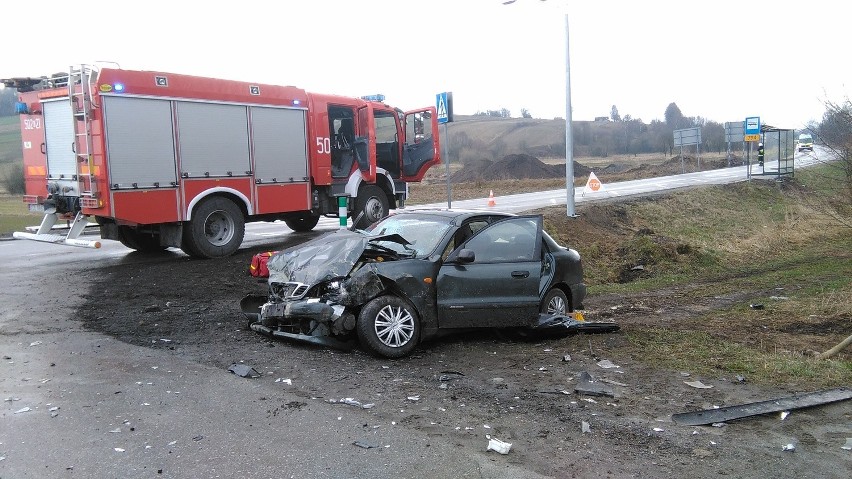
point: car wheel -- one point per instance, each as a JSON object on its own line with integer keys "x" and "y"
{"x": 388, "y": 326}
{"x": 555, "y": 302}
{"x": 373, "y": 202}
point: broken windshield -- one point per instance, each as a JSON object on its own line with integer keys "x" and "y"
{"x": 422, "y": 234}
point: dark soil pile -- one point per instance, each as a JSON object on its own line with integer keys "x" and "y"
{"x": 513, "y": 167}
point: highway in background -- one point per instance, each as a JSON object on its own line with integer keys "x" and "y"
{"x": 33, "y": 253}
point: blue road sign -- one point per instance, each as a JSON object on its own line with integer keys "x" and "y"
{"x": 752, "y": 125}
{"x": 444, "y": 105}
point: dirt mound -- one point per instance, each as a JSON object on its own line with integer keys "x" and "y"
{"x": 513, "y": 167}
{"x": 676, "y": 166}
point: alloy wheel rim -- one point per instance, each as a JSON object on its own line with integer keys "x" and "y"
{"x": 394, "y": 326}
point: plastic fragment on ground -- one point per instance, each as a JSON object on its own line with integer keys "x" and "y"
{"x": 244, "y": 371}
{"x": 697, "y": 384}
{"x": 607, "y": 364}
{"x": 499, "y": 446}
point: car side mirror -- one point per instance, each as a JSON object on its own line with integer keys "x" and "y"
{"x": 466, "y": 256}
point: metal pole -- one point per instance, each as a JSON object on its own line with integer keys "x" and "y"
{"x": 569, "y": 143}
{"x": 447, "y": 164}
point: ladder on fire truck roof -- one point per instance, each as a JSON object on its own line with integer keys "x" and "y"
{"x": 82, "y": 104}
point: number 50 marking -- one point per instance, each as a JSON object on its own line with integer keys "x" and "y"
{"x": 323, "y": 145}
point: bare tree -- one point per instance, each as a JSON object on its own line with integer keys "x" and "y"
{"x": 834, "y": 134}
{"x": 614, "y": 114}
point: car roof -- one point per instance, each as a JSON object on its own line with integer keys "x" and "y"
{"x": 455, "y": 214}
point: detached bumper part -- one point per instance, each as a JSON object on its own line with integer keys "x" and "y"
{"x": 561, "y": 322}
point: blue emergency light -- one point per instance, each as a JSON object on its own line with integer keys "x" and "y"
{"x": 118, "y": 87}
{"x": 21, "y": 108}
{"x": 376, "y": 97}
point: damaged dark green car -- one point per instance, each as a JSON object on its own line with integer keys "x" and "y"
{"x": 417, "y": 273}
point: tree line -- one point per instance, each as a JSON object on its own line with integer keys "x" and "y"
{"x": 8, "y": 97}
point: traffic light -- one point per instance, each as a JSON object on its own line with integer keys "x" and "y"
{"x": 760, "y": 154}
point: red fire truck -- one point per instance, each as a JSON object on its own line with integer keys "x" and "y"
{"x": 166, "y": 160}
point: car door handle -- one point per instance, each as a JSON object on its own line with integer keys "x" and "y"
{"x": 520, "y": 274}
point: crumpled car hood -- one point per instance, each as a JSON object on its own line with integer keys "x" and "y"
{"x": 322, "y": 259}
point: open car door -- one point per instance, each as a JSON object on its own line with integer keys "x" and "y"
{"x": 365, "y": 144}
{"x": 421, "y": 149}
{"x": 499, "y": 285}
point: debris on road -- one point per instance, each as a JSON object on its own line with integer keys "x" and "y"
{"x": 755, "y": 306}
{"x": 697, "y": 384}
{"x": 288, "y": 382}
{"x": 586, "y": 385}
{"x": 848, "y": 445}
{"x": 585, "y": 427}
{"x": 789, "y": 447}
{"x": 499, "y": 446}
{"x": 607, "y": 364}
{"x": 709, "y": 416}
{"x": 23, "y": 410}
{"x": 365, "y": 444}
{"x": 244, "y": 371}
{"x": 784, "y": 415}
{"x": 351, "y": 402}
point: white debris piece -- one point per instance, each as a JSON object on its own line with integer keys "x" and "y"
{"x": 499, "y": 446}
{"x": 784, "y": 415}
{"x": 288, "y": 381}
{"x": 23, "y": 409}
{"x": 659, "y": 429}
{"x": 118, "y": 449}
{"x": 697, "y": 384}
{"x": 607, "y": 364}
{"x": 848, "y": 445}
{"x": 585, "y": 427}
{"x": 35, "y": 343}
{"x": 789, "y": 447}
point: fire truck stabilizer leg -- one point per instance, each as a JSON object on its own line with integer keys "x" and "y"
{"x": 71, "y": 239}
{"x": 47, "y": 223}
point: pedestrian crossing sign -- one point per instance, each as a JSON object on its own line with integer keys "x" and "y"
{"x": 444, "y": 105}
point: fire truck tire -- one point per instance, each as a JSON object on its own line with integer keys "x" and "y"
{"x": 142, "y": 242}
{"x": 373, "y": 202}
{"x": 216, "y": 229}
{"x": 303, "y": 224}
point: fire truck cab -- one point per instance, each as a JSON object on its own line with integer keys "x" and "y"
{"x": 167, "y": 160}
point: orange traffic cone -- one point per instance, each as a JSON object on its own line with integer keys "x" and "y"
{"x": 491, "y": 201}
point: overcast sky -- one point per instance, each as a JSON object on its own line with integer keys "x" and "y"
{"x": 722, "y": 60}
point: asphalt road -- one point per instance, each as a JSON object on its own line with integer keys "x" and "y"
{"x": 80, "y": 404}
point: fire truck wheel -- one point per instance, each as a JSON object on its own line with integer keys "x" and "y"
{"x": 303, "y": 224}
{"x": 142, "y": 242}
{"x": 373, "y": 202}
{"x": 216, "y": 229}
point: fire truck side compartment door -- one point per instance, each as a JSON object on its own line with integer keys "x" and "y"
{"x": 422, "y": 149}
{"x": 140, "y": 142}
{"x": 365, "y": 144}
{"x": 280, "y": 145}
{"x": 214, "y": 139}
{"x": 59, "y": 139}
